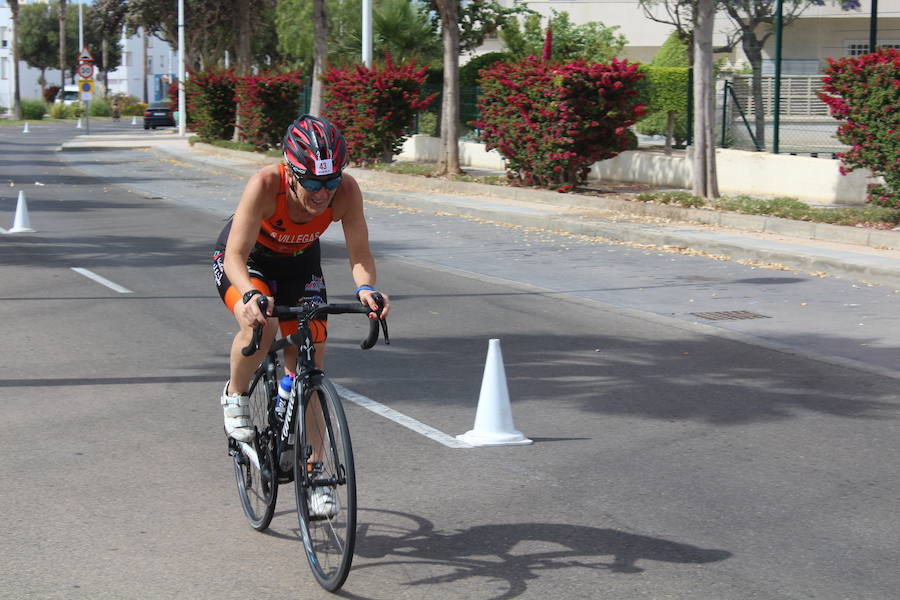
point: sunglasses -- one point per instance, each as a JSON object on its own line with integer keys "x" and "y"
{"x": 314, "y": 185}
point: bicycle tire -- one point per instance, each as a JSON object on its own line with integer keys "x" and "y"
{"x": 258, "y": 488}
{"x": 329, "y": 541}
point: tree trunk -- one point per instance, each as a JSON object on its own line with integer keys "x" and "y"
{"x": 670, "y": 128}
{"x": 705, "y": 184}
{"x": 243, "y": 36}
{"x": 448, "y": 157}
{"x": 104, "y": 53}
{"x": 17, "y": 99}
{"x": 320, "y": 53}
{"x": 753, "y": 50}
{"x": 62, "y": 45}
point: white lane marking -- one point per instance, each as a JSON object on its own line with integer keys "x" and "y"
{"x": 3, "y": 230}
{"x": 102, "y": 280}
{"x": 400, "y": 418}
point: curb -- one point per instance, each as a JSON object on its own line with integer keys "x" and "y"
{"x": 570, "y": 213}
{"x": 824, "y": 232}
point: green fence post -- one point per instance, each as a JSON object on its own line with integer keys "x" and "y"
{"x": 724, "y": 110}
{"x": 776, "y": 123}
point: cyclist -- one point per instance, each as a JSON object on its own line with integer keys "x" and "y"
{"x": 270, "y": 246}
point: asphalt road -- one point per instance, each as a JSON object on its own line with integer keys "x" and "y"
{"x": 671, "y": 459}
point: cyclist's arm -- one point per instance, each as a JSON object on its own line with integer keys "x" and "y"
{"x": 257, "y": 203}
{"x": 356, "y": 234}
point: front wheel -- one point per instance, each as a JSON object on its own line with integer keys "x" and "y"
{"x": 257, "y": 481}
{"x": 325, "y": 485}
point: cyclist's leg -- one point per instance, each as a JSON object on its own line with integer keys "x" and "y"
{"x": 304, "y": 281}
{"x": 242, "y": 367}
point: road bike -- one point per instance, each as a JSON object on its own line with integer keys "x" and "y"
{"x": 307, "y": 442}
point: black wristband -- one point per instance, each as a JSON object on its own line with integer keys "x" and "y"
{"x": 249, "y": 295}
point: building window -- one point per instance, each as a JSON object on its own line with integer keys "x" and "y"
{"x": 860, "y": 47}
{"x": 3, "y": 40}
{"x": 149, "y": 64}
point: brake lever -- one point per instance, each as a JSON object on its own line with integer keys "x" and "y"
{"x": 253, "y": 347}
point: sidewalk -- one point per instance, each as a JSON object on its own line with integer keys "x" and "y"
{"x": 854, "y": 253}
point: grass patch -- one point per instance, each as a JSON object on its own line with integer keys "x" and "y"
{"x": 403, "y": 167}
{"x": 423, "y": 169}
{"x": 228, "y": 144}
{"x": 784, "y": 208}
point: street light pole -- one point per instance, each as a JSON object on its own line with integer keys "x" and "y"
{"x": 367, "y": 33}
{"x": 182, "y": 117}
{"x": 80, "y": 28}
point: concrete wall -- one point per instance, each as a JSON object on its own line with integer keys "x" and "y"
{"x": 814, "y": 180}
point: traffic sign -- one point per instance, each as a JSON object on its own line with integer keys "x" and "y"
{"x": 86, "y": 88}
{"x": 85, "y": 55}
{"x": 85, "y": 70}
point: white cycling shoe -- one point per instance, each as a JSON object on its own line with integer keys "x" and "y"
{"x": 237, "y": 416}
{"x": 322, "y": 503}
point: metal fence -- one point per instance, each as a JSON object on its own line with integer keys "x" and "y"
{"x": 804, "y": 125}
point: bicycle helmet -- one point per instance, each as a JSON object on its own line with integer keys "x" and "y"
{"x": 313, "y": 147}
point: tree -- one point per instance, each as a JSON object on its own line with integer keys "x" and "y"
{"x": 242, "y": 34}
{"x": 463, "y": 28}
{"x": 667, "y": 88}
{"x": 593, "y": 41}
{"x": 754, "y": 22}
{"x": 103, "y": 24}
{"x": 210, "y": 27}
{"x": 448, "y": 155}
{"x": 401, "y": 28}
{"x": 17, "y": 99}
{"x": 681, "y": 14}
{"x": 404, "y": 30}
{"x": 33, "y": 45}
{"x": 705, "y": 183}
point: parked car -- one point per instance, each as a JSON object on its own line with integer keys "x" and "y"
{"x": 68, "y": 95}
{"x": 158, "y": 114}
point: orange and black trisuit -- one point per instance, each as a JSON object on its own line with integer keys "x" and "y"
{"x": 285, "y": 262}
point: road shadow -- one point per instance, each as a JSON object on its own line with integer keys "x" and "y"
{"x": 511, "y": 553}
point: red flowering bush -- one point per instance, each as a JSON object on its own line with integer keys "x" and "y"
{"x": 374, "y": 108}
{"x": 864, "y": 93}
{"x": 552, "y": 121}
{"x": 267, "y": 104}
{"x": 209, "y": 96}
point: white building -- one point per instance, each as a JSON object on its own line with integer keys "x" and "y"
{"x": 820, "y": 33}
{"x": 127, "y": 79}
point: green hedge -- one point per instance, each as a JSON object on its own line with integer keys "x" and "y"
{"x": 33, "y": 110}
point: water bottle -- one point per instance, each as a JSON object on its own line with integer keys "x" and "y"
{"x": 284, "y": 394}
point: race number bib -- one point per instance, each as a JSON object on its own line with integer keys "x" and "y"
{"x": 324, "y": 167}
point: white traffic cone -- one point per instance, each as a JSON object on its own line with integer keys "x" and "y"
{"x": 134, "y": 120}
{"x": 25, "y": 130}
{"x": 78, "y": 124}
{"x": 493, "y": 418}
{"x": 21, "y": 224}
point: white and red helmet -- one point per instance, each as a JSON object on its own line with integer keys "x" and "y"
{"x": 313, "y": 147}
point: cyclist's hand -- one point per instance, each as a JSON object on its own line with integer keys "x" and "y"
{"x": 249, "y": 314}
{"x": 368, "y": 299}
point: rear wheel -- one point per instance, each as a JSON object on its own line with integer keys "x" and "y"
{"x": 323, "y": 463}
{"x": 257, "y": 480}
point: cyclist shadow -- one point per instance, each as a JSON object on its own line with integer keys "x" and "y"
{"x": 513, "y": 552}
